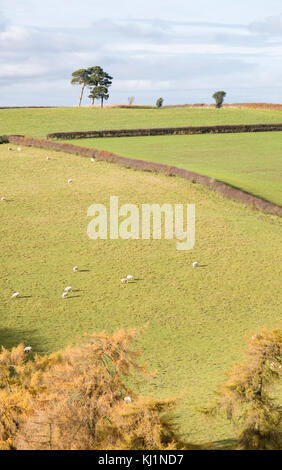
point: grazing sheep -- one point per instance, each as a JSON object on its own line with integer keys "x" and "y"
{"x": 28, "y": 349}
{"x": 68, "y": 289}
{"x": 3, "y": 199}
{"x": 19, "y": 149}
{"x": 15, "y": 295}
{"x": 127, "y": 400}
{"x": 48, "y": 158}
{"x": 124, "y": 280}
{"x": 92, "y": 159}
{"x": 130, "y": 278}
{"x": 69, "y": 181}
{"x": 10, "y": 148}
{"x": 75, "y": 269}
{"x": 64, "y": 295}
{"x": 195, "y": 264}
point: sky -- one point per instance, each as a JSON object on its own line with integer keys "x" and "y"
{"x": 180, "y": 50}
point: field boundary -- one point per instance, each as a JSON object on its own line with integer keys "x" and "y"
{"x": 222, "y": 129}
{"x": 226, "y": 190}
{"x": 269, "y": 106}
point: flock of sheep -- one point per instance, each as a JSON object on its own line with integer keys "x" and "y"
{"x": 68, "y": 289}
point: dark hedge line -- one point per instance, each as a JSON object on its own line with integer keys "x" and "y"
{"x": 167, "y": 131}
{"x": 4, "y": 139}
{"x": 102, "y": 155}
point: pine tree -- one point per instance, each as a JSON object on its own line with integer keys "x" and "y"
{"x": 80, "y": 77}
{"x": 75, "y": 399}
{"x": 247, "y": 397}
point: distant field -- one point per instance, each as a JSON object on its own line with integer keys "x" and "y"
{"x": 251, "y": 161}
{"x": 198, "y": 318}
{"x": 39, "y": 122}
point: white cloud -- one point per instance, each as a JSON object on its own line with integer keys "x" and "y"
{"x": 22, "y": 70}
{"x": 84, "y": 12}
{"x": 145, "y": 57}
{"x": 196, "y": 49}
{"x": 271, "y": 25}
{"x": 143, "y": 85}
{"x": 13, "y": 33}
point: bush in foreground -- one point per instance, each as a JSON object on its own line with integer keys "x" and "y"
{"x": 74, "y": 399}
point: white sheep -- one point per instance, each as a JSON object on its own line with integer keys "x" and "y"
{"x": 124, "y": 280}
{"x": 15, "y": 295}
{"x": 75, "y": 269}
{"x": 127, "y": 400}
{"x": 64, "y": 295}
{"x": 69, "y": 181}
{"x": 19, "y": 149}
{"x": 130, "y": 278}
{"x": 3, "y": 199}
{"x": 48, "y": 158}
{"x": 28, "y": 349}
{"x": 92, "y": 159}
{"x": 68, "y": 289}
{"x": 195, "y": 264}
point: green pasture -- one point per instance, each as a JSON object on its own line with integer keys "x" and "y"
{"x": 39, "y": 122}
{"x": 251, "y": 161}
{"x": 198, "y": 317}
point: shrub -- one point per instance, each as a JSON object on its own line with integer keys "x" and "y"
{"x": 3, "y": 139}
{"x": 74, "y": 400}
{"x": 247, "y": 397}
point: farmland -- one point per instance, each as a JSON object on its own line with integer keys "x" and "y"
{"x": 39, "y": 122}
{"x": 251, "y": 161}
{"x": 198, "y": 318}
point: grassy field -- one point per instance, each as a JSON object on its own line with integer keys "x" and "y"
{"x": 248, "y": 161}
{"x": 251, "y": 161}
{"x": 39, "y": 122}
{"x": 198, "y": 317}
